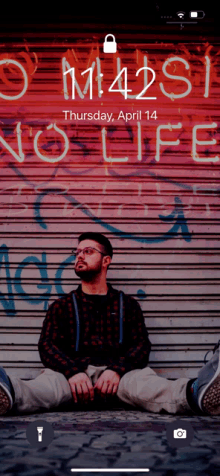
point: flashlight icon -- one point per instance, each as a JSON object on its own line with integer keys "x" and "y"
{"x": 39, "y": 431}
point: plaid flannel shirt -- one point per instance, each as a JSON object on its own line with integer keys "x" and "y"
{"x": 99, "y": 335}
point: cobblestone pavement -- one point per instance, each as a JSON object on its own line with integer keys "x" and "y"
{"x": 109, "y": 439}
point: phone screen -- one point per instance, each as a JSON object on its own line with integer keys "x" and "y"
{"x": 110, "y": 123}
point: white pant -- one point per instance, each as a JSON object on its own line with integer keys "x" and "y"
{"x": 141, "y": 388}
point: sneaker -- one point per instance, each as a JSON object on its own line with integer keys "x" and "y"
{"x": 206, "y": 358}
{"x": 6, "y": 400}
{"x": 206, "y": 388}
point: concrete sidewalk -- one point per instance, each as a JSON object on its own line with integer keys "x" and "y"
{"x": 109, "y": 439}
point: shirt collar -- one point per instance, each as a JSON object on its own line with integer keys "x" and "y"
{"x": 84, "y": 296}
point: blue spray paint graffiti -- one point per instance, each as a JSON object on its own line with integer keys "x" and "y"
{"x": 177, "y": 216}
{"x": 42, "y": 266}
{"x": 178, "y": 227}
{"x": 8, "y": 302}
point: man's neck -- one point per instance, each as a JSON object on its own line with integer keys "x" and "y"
{"x": 95, "y": 288}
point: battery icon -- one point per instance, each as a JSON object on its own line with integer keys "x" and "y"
{"x": 197, "y": 14}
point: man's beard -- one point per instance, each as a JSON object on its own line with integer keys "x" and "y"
{"x": 88, "y": 274}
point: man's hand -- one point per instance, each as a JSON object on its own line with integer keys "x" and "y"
{"x": 81, "y": 388}
{"x": 107, "y": 383}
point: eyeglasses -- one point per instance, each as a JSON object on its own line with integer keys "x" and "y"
{"x": 86, "y": 252}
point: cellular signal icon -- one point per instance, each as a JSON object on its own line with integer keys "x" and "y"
{"x": 181, "y": 14}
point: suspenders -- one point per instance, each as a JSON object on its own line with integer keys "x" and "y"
{"x": 77, "y": 321}
{"x": 120, "y": 319}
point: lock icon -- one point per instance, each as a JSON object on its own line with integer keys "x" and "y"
{"x": 109, "y": 46}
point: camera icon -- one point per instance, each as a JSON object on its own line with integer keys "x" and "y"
{"x": 179, "y": 433}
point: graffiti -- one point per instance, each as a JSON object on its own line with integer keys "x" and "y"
{"x": 16, "y": 286}
{"x": 8, "y": 304}
{"x": 42, "y": 268}
{"x": 127, "y": 177}
{"x": 176, "y": 217}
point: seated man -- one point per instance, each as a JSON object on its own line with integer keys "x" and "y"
{"x": 94, "y": 342}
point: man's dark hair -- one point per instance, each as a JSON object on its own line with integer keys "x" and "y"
{"x": 99, "y": 238}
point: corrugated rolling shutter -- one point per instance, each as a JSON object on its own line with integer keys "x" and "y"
{"x": 151, "y": 183}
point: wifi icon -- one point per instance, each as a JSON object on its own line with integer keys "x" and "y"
{"x": 181, "y": 14}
